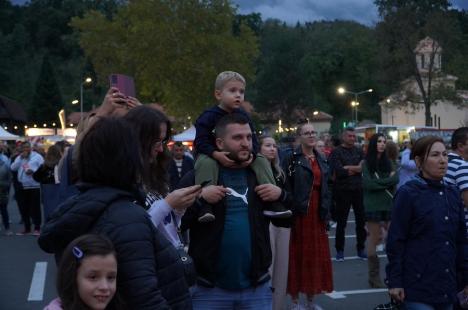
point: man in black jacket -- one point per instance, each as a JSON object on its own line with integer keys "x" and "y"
{"x": 179, "y": 165}
{"x": 232, "y": 253}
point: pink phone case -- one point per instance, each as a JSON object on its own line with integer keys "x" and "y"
{"x": 124, "y": 83}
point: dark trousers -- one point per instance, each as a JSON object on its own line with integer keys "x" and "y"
{"x": 344, "y": 200}
{"x": 5, "y": 217}
{"x": 30, "y": 207}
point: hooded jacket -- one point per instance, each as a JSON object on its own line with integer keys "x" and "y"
{"x": 426, "y": 243}
{"x": 150, "y": 273}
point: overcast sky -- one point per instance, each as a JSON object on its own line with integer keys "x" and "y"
{"x": 292, "y": 11}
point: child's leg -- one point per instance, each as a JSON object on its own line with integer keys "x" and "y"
{"x": 206, "y": 169}
{"x": 262, "y": 168}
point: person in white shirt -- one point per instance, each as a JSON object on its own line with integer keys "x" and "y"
{"x": 26, "y": 163}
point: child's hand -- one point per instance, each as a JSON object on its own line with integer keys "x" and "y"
{"x": 223, "y": 159}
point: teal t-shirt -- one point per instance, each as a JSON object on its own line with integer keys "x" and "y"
{"x": 235, "y": 253}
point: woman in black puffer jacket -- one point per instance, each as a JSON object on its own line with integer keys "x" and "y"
{"x": 151, "y": 275}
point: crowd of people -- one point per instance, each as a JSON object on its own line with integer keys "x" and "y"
{"x": 237, "y": 224}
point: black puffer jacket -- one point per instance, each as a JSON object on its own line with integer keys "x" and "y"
{"x": 150, "y": 274}
{"x": 299, "y": 181}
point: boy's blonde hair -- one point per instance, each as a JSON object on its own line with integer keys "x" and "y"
{"x": 227, "y": 76}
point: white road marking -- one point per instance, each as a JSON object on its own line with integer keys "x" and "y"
{"x": 342, "y": 294}
{"x": 346, "y": 236}
{"x": 355, "y": 257}
{"x": 36, "y": 291}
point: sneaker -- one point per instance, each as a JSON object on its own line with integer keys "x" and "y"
{"x": 339, "y": 256}
{"x": 36, "y": 232}
{"x": 380, "y": 248}
{"x": 23, "y": 233}
{"x": 207, "y": 217}
{"x": 205, "y": 213}
{"x": 362, "y": 254}
{"x": 277, "y": 210}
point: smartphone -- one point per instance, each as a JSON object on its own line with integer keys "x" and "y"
{"x": 205, "y": 183}
{"x": 124, "y": 83}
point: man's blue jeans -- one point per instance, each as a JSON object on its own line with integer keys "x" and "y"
{"x": 409, "y": 305}
{"x": 258, "y": 298}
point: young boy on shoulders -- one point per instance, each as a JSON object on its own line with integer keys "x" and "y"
{"x": 229, "y": 92}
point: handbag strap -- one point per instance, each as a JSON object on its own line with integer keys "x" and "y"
{"x": 177, "y": 226}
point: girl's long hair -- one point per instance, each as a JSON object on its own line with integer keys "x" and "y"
{"x": 375, "y": 164}
{"x": 276, "y": 164}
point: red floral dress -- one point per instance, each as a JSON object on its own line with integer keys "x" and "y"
{"x": 310, "y": 267}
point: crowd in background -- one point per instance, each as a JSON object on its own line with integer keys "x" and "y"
{"x": 254, "y": 216}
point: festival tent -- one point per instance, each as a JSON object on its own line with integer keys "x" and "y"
{"x": 5, "y": 135}
{"x": 187, "y": 135}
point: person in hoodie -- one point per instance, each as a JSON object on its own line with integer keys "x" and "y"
{"x": 426, "y": 245}
{"x": 151, "y": 274}
{"x": 25, "y": 165}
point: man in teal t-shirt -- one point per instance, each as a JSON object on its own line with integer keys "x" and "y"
{"x": 232, "y": 254}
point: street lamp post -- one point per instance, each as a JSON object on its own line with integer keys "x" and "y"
{"x": 355, "y": 103}
{"x": 86, "y": 81}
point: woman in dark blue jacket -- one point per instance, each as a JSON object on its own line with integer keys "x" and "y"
{"x": 427, "y": 235}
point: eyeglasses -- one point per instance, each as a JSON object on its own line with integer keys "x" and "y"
{"x": 158, "y": 144}
{"x": 309, "y": 133}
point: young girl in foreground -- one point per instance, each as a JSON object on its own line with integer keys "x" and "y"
{"x": 86, "y": 278}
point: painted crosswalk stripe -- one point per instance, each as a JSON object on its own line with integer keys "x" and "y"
{"x": 355, "y": 257}
{"x": 36, "y": 291}
{"x": 342, "y": 294}
{"x": 347, "y": 236}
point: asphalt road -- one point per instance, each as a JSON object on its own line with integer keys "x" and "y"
{"x": 27, "y": 274}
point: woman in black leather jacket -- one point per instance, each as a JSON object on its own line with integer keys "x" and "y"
{"x": 310, "y": 270}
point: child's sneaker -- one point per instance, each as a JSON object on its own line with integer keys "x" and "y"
{"x": 206, "y": 214}
{"x": 277, "y": 210}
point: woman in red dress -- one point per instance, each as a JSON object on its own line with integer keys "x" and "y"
{"x": 310, "y": 267}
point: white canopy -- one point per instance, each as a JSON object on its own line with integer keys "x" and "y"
{"x": 187, "y": 135}
{"x": 5, "y": 135}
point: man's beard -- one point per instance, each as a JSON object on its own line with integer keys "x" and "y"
{"x": 235, "y": 157}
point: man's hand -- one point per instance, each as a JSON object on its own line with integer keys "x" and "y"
{"x": 268, "y": 192}
{"x": 213, "y": 193}
{"x": 223, "y": 159}
{"x": 398, "y": 294}
{"x": 181, "y": 199}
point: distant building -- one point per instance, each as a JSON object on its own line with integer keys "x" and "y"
{"x": 400, "y": 108}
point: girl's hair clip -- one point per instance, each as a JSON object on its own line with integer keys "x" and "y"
{"x": 77, "y": 252}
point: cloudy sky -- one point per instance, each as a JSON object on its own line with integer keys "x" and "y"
{"x": 292, "y": 11}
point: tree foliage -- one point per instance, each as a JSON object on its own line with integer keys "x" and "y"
{"x": 174, "y": 49}
{"x": 47, "y": 100}
{"x": 403, "y": 25}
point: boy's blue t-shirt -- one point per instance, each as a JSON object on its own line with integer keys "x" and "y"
{"x": 235, "y": 253}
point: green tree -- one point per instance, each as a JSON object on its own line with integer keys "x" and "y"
{"x": 47, "y": 100}
{"x": 174, "y": 49}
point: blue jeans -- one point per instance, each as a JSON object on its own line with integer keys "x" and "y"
{"x": 258, "y": 298}
{"x": 410, "y": 305}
